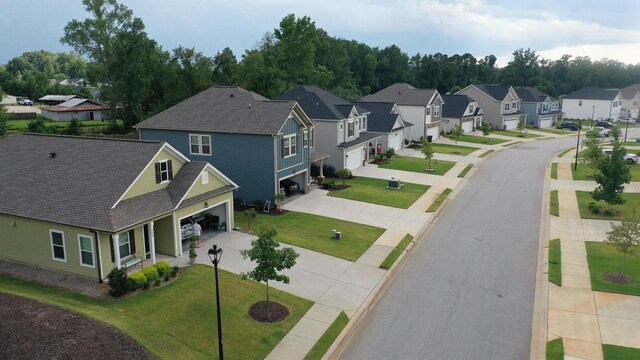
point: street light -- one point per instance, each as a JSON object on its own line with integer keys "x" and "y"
{"x": 215, "y": 254}
{"x": 593, "y": 111}
{"x": 575, "y": 167}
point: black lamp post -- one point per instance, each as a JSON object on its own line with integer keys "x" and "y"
{"x": 215, "y": 254}
{"x": 627, "y": 128}
{"x": 575, "y": 167}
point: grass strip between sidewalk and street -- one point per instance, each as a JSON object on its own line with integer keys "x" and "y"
{"x": 615, "y": 352}
{"x": 513, "y": 143}
{"x": 375, "y": 191}
{"x": 464, "y": 171}
{"x": 395, "y": 253}
{"x": 486, "y": 153}
{"x": 555, "y": 262}
{"x": 554, "y": 171}
{"x": 184, "y": 329}
{"x": 604, "y": 258}
{"x": 327, "y": 339}
{"x": 418, "y": 165}
{"x": 564, "y": 152}
{"x": 482, "y": 139}
{"x": 554, "y": 203}
{"x": 555, "y": 349}
{"x": 439, "y": 200}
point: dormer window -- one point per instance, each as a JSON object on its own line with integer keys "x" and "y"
{"x": 164, "y": 171}
{"x": 470, "y": 108}
{"x": 436, "y": 111}
{"x": 350, "y": 129}
{"x": 507, "y": 106}
{"x": 364, "y": 124}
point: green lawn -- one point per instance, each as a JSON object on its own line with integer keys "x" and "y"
{"x": 614, "y": 352}
{"x": 375, "y": 191}
{"x": 516, "y": 134}
{"x": 439, "y": 200}
{"x": 419, "y": 165}
{"x": 177, "y": 321}
{"x": 554, "y": 171}
{"x": 452, "y": 149}
{"x": 481, "y": 139}
{"x": 563, "y": 153}
{"x": 513, "y": 143}
{"x": 555, "y": 131}
{"x": 554, "y": 204}
{"x": 327, "y": 339}
{"x": 604, "y": 258}
{"x": 555, "y": 349}
{"x": 555, "y": 262}
{"x": 464, "y": 171}
{"x": 395, "y": 253}
{"x": 486, "y": 153}
{"x": 22, "y": 125}
{"x": 313, "y": 232}
{"x": 584, "y": 198}
{"x": 584, "y": 172}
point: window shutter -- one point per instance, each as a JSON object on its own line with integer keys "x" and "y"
{"x": 157, "y": 173}
{"x": 132, "y": 241}
{"x": 113, "y": 254}
{"x": 282, "y": 147}
{"x": 170, "y": 168}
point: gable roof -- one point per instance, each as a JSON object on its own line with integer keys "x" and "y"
{"x": 76, "y": 104}
{"x": 531, "y": 94}
{"x": 456, "y": 106}
{"x": 593, "y": 93}
{"x": 497, "y": 92}
{"x": 403, "y": 94}
{"x": 381, "y": 118}
{"x": 318, "y": 103}
{"x": 61, "y": 98}
{"x": 630, "y": 91}
{"x": 79, "y": 185}
{"x": 226, "y": 109}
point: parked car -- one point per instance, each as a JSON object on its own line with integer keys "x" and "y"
{"x": 627, "y": 121}
{"x": 290, "y": 186}
{"x": 602, "y": 132}
{"x": 571, "y": 126}
{"x": 629, "y": 158}
{"x": 186, "y": 229}
{"x": 25, "y": 102}
{"x": 604, "y": 124}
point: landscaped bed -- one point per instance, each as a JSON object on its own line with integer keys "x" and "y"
{"x": 419, "y": 165}
{"x": 177, "y": 321}
{"x": 604, "y": 259}
{"x": 313, "y": 232}
{"x": 618, "y": 212}
{"x": 453, "y": 149}
{"x": 375, "y": 191}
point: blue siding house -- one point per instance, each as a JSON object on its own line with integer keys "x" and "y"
{"x": 544, "y": 110}
{"x": 256, "y": 142}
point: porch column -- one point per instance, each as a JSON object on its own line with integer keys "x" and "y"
{"x": 116, "y": 250}
{"x": 321, "y": 166}
{"x": 152, "y": 243}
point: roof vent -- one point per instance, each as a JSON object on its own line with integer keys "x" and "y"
{"x": 231, "y": 95}
{"x": 249, "y": 106}
{"x": 52, "y": 155}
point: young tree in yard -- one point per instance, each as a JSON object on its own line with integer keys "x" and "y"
{"x": 521, "y": 123}
{"x": 427, "y": 151}
{"x": 455, "y": 135}
{"x": 615, "y": 132}
{"x": 486, "y": 128}
{"x": 344, "y": 174}
{"x": 593, "y": 152}
{"x": 270, "y": 259}
{"x": 625, "y": 237}
{"x": 612, "y": 175}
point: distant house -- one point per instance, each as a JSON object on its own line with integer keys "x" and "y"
{"x": 500, "y": 104}
{"x": 544, "y": 110}
{"x": 385, "y": 119}
{"x": 463, "y": 111}
{"x": 630, "y": 101}
{"x": 57, "y": 99}
{"x": 592, "y": 103}
{"x": 341, "y": 127}
{"x": 85, "y": 206}
{"x": 76, "y": 108}
{"x": 261, "y": 144}
{"x": 8, "y": 100}
{"x": 420, "y": 107}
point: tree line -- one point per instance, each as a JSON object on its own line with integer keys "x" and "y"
{"x": 132, "y": 70}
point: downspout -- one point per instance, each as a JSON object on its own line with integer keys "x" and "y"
{"x": 276, "y": 185}
{"x": 96, "y": 242}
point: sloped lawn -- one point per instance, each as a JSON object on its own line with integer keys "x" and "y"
{"x": 375, "y": 191}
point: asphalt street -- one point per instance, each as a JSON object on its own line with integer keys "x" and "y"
{"x": 467, "y": 291}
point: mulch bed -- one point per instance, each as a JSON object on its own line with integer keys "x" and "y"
{"x": 268, "y": 312}
{"x": 33, "y": 330}
{"x": 618, "y": 278}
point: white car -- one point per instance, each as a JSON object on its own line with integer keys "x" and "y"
{"x": 603, "y": 132}
{"x": 186, "y": 230}
{"x": 625, "y": 121}
{"x": 25, "y": 102}
{"x": 629, "y": 158}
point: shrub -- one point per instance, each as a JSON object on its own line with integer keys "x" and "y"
{"x": 592, "y": 205}
{"x": 156, "y": 283}
{"x": 136, "y": 281}
{"x": 486, "y": 128}
{"x": 146, "y": 285}
{"x": 163, "y": 268}
{"x": 151, "y": 273}
{"x": 117, "y": 282}
{"x": 166, "y": 277}
{"x": 344, "y": 174}
{"x": 315, "y": 170}
{"x": 390, "y": 152}
{"x": 329, "y": 185}
{"x": 329, "y": 171}
{"x": 174, "y": 271}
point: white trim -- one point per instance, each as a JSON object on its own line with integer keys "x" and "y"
{"x": 177, "y": 245}
{"x": 152, "y": 242}
{"x": 131, "y": 253}
{"x": 305, "y": 138}
{"x": 100, "y": 251}
{"x": 204, "y": 178}
{"x": 166, "y": 161}
{"x": 93, "y": 251}
{"x": 116, "y": 250}
{"x": 292, "y": 175}
{"x": 64, "y": 245}
{"x": 216, "y": 172}
{"x": 284, "y": 138}
{"x": 292, "y": 166}
{"x": 200, "y": 152}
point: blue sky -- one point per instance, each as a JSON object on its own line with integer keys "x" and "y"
{"x": 597, "y": 29}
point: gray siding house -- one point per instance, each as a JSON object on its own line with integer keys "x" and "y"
{"x": 501, "y": 104}
{"x": 385, "y": 119}
{"x": 463, "y": 111}
{"x": 76, "y": 108}
{"x": 256, "y": 142}
{"x": 544, "y": 110}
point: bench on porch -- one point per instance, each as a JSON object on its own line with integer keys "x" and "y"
{"x": 134, "y": 261}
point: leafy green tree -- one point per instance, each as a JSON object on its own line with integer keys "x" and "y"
{"x": 523, "y": 69}
{"x": 4, "y": 117}
{"x": 456, "y": 134}
{"x": 269, "y": 258}
{"x": 225, "y": 68}
{"x": 297, "y": 40}
{"x": 625, "y": 237}
{"x": 486, "y": 128}
{"x": 592, "y": 155}
{"x": 611, "y": 176}
{"x": 74, "y": 128}
{"x": 615, "y": 132}
{"x": 344, "y": 174}
{"x": 36, "y": 126}
{"x": 427, "y": 150}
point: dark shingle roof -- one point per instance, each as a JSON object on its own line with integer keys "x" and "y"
{"x": 498, "y": 92}
{"x": 593, "y": 93}
{"x": 318, "y": 103}
{"x": 364, "y": 137}
{"x": 530, "y": 94}
{"x": 402, "y": 94}
{"x": 455, "y": 105}
{"x": 380, "y": 118}
{"x": 223, "y": 110}
{"x": 630, "y": 91}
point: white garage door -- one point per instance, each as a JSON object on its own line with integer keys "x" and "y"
{"x": 395, "y": 141}
{"x": 546, "y": 123}
{"x": 467, "y": 126}
{"x": 434, "y": 132}
{"x": 354, "y": 159}
{"x": 511, "y": 124}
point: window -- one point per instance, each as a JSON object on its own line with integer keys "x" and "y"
{"x": 428, "y": 111}
{"x": 205, "y": 178}
{"x": 514, "y": 105}
{"x": 200, "y": 144}
{"x": 506, "y": 106}
{"x": 58, "y": 249}
{"x": 579, "y": 102}
{"x": 85, "y": 244}
{"x": 635, "y": 102}
{"x": 350, "y": 129}
{"x": 358, "y": 124}
{"x": 305, "y": 138}
{"x": 289, "y": 145}
{"x": 470, "y": 108}
{"x": 615, "y": 104}
{"x": 164, "y": 171}
{"x": 364, "y": 124}
{"x": 311, "y": 137}
{"x": 436, "y": 111}
{"x": 124, "y": 244}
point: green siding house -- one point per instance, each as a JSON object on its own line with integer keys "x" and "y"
{"x": 88, "y": 205}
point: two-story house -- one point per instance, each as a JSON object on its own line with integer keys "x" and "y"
{"x": 592, "y": 103}
{"x": 85, "y": 206}
{"x": 341, "y": 128}
{"x": 630, "y": 101}
{"x": 257, "y": 142}
{"x": 544, "y": 110}
{"x": 420, "y": 107}
{"x": 463, "y": 111}
{"x": 500, "y": 104}
{"x": 384, "y": 119}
